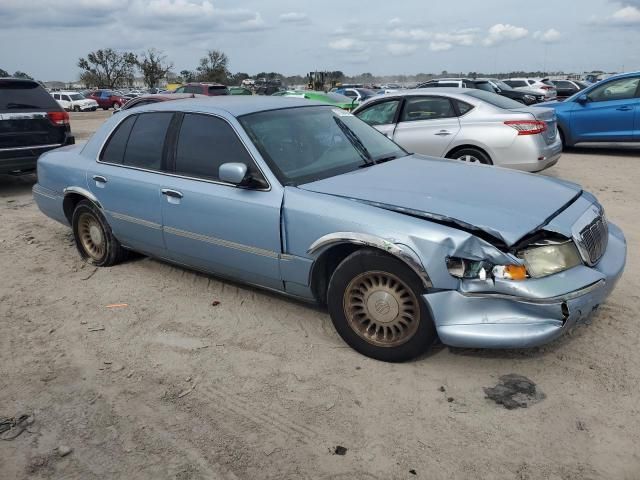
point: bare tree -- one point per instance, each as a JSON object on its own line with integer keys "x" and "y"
{"x": 154, "y": 67}
{"x": 213, "y": 67}
{"x": 109, "y": 68}
{"x": 19, "y": 74}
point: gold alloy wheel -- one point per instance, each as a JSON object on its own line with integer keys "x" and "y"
{"x": 91, "y": 236}
{"x": 381, "y": 309}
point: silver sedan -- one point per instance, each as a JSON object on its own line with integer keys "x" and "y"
{"x": 467, "y": 124}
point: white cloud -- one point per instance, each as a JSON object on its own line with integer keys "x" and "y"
{"x": 502, "y": 32}
{"x": 440, "y": 46}
{"x": 395, "y": 21}
{"x": 456, "y": 37}
{"x": 548, "y": 36}
{"x": 347, "y": 44}
{"x": 401, "y": 49}
{"x": 294, "y": 17}
{"x": 628, "y": 15}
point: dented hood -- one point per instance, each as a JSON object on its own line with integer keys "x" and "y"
{"x": 505, "y": 204}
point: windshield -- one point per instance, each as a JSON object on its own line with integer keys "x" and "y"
{"x": 306, "y": 144}
{"x": 501, "y": 85}
{"x": 76, "y": 96}
{"x": 486, "y": 86}
{"x": 337, "y": 98}
{"x": 494, "y": 99}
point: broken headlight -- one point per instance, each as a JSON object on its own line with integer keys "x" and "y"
{"x": 549, "y": 257}
{"x": 465, "y": 268}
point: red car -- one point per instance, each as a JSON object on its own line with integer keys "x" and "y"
{"x": 209, "y": 89}
{"x": 107, "y": 99}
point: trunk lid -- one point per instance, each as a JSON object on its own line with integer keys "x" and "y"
{"x": 506, "y": 204}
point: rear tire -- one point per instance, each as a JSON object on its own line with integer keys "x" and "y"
{"x": 471, "y": 155}
{"x": 93, "y": 236}
{"x": 375, "y": 304}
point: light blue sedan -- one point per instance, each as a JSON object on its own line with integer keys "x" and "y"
{"x": 306, "y": 199}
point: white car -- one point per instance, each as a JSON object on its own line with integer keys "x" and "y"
{"x": 74, "y": 101}
{"x": 540, "y": 86}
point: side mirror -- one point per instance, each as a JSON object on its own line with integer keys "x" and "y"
{"x": 232, "y": 172}
{"x": 582, "y": 99}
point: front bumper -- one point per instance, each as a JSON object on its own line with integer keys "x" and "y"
{"x": 498, "y": 320}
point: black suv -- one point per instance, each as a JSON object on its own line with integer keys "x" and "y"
{"x": 31, "y": 122}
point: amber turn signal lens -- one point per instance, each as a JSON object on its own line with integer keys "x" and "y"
{"x": 516, "y": 272}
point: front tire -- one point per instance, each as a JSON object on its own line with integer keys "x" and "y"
{"x": 116, "y": 105}
{"x": 76, "y": 109}
{"x": 93, "y": 237}
{"x": 375, "y": 304}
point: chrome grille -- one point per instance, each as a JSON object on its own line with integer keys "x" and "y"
{"x": 592, "y": 239}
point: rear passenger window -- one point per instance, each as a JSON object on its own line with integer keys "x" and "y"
{"x": 463, "y": 107}
{"x": 146, "y": 141}
{"x": 205, "y": 143}
{"x": 114, "y": 151}
{"x": 426, "y": 108}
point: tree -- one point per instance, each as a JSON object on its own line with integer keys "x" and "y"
{"x": 19, "y": 74}
{"x": 108, "y": 67}
{"x": 237, "y": 78}
{"x": 3, "y": 73}
{"x": 154, "y": 67}
{"x": 213, "y": 67}
{"x": 187, "y": 76}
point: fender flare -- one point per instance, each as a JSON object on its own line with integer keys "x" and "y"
{"x": 84, "y": 192}
{"x": 402, "y": 252}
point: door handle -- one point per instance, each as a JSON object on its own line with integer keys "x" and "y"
{"x": 443, "y": 133}
{"x": 624, "y": 108}
{"x": 171, "y": 193}
{"x": 99, "y": 178}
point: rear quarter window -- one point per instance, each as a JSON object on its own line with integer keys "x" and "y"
{"x": 25, "y": 96}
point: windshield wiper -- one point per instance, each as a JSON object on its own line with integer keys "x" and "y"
{"x": 355, "y": 141}
{"x": 384, "y": 159}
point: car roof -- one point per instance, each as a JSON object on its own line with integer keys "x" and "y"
{"x": 235, "y": 105}
{"x": 453, "y": 92}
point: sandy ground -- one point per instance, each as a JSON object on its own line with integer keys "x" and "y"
{"x": 262, "y": 387}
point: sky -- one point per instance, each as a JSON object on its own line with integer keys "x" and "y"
{"x": 45, "y": 38}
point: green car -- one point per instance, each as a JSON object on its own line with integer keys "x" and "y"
{"x": 239, "y": 91}
{"x": 335, "y": 99}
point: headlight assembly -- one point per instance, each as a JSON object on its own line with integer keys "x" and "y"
{"x": 546, "y": 259}
{"x": 531, "y": 98}
{"x": 540, "y": 260}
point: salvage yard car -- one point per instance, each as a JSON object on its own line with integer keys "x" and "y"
{"x": 74, "y": 101}
{"x": 608, "y": 111}
{"x": 467, "y": 124}
{"x": 307, "y": 200}
{"x": 31, "y": 123}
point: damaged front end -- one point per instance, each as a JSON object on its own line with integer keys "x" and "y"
{"x": 529, "y": 292}
{"x": 556, "y": 283}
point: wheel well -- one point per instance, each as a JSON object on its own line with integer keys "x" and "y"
{"x": 69, "y": 204}
{"x": 455, "y": 150}
{"x": 324, "y": 266}
{"x": 328, "y": 261}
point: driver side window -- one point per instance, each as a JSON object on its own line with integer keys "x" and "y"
{"x": 621, "y": 89}
{"x": 206, "y": 142}
{"x": 382, "y": 113}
